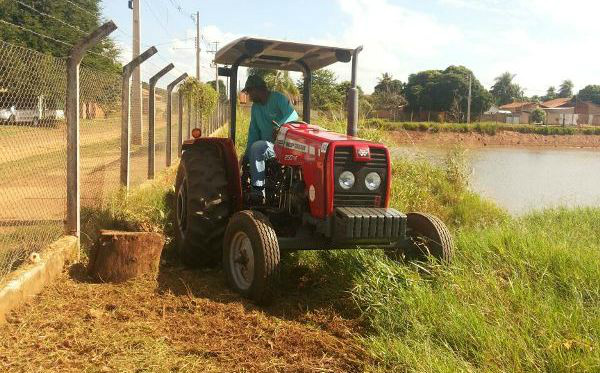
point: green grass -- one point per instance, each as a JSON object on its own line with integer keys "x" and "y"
{"x": 522, "y": 295}
{"x": 145, "y": 208}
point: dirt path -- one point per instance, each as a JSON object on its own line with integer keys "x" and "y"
{"x": 502, "y": 138}
{"x": 186, "y": 321}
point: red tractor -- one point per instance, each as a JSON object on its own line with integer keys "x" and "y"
{"x": 324, "y": 190}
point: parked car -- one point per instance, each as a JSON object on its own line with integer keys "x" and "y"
{"x": 8, "y": 115}
{"x": 33, "y": 116}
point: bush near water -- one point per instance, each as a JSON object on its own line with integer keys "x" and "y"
{"x": 488, "y": 128}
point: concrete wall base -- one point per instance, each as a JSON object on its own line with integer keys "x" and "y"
{"x": 22, "y": 285}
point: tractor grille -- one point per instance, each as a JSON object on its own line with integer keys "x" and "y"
{"x": 359, "y": 195}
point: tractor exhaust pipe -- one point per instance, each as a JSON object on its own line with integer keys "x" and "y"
{"x": 352, "y": 128}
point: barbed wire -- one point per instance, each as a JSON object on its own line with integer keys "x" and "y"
{"x": 51, "y": 38}
{"x": 51, "y": 17}
{"x": 81, "y": 8}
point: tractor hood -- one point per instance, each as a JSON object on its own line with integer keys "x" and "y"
{"x": 316, "y": 133}
{"x": 319, "y": 152}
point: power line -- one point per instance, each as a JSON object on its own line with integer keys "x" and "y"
{"x": 181, "y": 11}
{"x": 157, "y": 18}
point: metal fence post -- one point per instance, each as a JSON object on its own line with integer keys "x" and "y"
{"x": 73, "y": 221}
{"x": 152, "y": 118}
{"x": 189, "y": 126}
{"x": 180, "y": 124}
{"x": 125, "y": 111}
{"x": 170, "y": 87}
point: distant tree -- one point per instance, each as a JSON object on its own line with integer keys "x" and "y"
{"x": 538, "y": 115}
{"x": 202, "y": 96}
{"x": 535, "y": 98}
{"x": 447, "y": 90}
{"x": 388, "y": 93}
{"x": 104, "y": 55}
{"x": 566, "y": 89}
{"x": 222, "y": 90}
{"x": 550, "y": 94}
{"x": 590, "y": 93}
{"x": 387, "y": 84}
{"x": 325, "y": 94}
{"x": 419, "y": 90}
{"x": 505, "y": 90}
{"x": 345, "y": 85}
{"x": 277, "y": 80}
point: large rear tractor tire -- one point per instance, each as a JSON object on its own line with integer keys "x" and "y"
{"x": 202, "y": 205}
{"x": 251, "y": 256}
{"x": 430, "y": 238}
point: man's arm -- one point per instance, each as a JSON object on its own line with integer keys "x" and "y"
{"x": 288, "y": 113}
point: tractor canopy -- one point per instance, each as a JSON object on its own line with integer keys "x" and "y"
{"x": 286, "y": 55}
{"x": 280, "y": 55}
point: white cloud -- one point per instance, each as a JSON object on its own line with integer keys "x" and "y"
{"x": 542, "y": 41}
{"x": 394, "y": 38}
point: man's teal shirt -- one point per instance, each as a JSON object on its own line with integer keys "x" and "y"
{"x": 277, "y": 108}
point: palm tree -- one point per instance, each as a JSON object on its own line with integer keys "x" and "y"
{"x": 505, "y": 91}
{"x": 566, "y": 89}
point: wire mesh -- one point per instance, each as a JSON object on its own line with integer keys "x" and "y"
{"x": 33, "y": 146}
{"x": 32, "y": 152}
{"x": 100, "y": 136}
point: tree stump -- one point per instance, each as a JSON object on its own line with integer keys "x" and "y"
{"x": 119, "y": 256}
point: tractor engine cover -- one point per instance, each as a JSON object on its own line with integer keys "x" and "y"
{"x": 323, "y": 156}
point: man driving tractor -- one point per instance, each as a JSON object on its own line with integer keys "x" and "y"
{"x": 270, "y": 110}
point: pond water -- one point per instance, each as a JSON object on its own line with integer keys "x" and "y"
{"x": 526, "y": 179}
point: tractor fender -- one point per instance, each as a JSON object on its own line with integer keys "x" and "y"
{"x": 229, "y": 156}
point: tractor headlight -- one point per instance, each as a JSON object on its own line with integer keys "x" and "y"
{"x": 373, "y": 180}
{"x": 346, "y": 180}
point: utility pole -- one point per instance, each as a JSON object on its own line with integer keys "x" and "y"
{"x": 217, "y": 81}
{"x": 469, "y": 102}
{"x": 136, "y": 82}
{"x": 198, "y": 46}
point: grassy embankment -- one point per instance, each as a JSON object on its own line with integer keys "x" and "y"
{"x": 488, "y": 128}
{"x": 522, "y": 295}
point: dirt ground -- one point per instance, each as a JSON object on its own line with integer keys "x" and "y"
{"x": 502, "y": 138}
{"x": 185, "y": 321}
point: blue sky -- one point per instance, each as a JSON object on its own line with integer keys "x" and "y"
{"x": 542, "y": 41}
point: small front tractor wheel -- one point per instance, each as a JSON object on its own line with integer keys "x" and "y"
{"x": 251, "y": 256}
{"x": 202, "y": 205}
{"x": 430, "y": 238}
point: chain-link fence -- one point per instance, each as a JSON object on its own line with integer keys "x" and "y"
{"x": 33, "y": 152}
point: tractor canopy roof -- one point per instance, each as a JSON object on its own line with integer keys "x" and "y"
{"x": 280, "y": 55}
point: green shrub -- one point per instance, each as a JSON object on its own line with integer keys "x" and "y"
{"x": 423, "y": 126}
{"x": 538, "y": 115}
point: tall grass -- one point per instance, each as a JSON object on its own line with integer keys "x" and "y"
{"x": 147, "y": 207}
{"x": 523, "y": 294}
